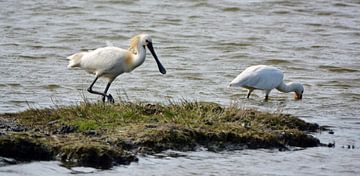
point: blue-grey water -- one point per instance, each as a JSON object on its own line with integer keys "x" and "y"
{"x": 203, "y": 44}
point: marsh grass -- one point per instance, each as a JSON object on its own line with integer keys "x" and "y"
{"x": 147, "y": 128}
{"x": 202, "y": 116}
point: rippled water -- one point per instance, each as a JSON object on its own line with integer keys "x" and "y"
{"x": 203, "y": 44}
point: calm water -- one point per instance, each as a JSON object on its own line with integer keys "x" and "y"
{"x": 203, "y": 44}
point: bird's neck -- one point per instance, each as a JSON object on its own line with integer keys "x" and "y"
{"x": 139, "y": 53}
{"x": 285, "y": 87}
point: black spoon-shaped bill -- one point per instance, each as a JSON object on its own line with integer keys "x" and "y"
{"x": 161, "y": 67}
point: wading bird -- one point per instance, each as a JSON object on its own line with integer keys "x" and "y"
{"x": 110, "y": 62}
{"x": 265, "y": 78}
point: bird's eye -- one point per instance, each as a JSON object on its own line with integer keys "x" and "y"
{"x": 147, "y": 41}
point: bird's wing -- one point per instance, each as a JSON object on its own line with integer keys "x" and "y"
{"x": 244, "y": 77}
{"x": 259, "y": 77}
{"x": 267, "y": 77}
{"x": 103, "y": 59}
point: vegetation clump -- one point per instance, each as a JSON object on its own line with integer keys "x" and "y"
{"x": 101, "y": 135}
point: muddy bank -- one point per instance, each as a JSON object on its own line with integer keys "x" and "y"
{"x": 102, "y": 135}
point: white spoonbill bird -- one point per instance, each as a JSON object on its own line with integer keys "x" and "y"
{"x": 110, "y": 62}
{"x": 265, "y": 78}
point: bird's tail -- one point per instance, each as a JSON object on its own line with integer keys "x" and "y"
{"x": 75, "y": 59}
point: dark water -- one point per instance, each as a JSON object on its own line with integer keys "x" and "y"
{"x": 203, "y": 44}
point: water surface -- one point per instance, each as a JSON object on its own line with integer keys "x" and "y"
{"x": 203, "y": 44}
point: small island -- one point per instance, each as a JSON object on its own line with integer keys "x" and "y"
{"x": 103, "y": 135}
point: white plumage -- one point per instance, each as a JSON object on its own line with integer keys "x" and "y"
{"x": 110, "y": 62}
{"x": 265, "y": 78}
{"x": 105, "y": 62}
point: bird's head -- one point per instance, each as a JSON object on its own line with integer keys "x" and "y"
{"x": 298, "y": 89}
{"x": 146, "y": 41}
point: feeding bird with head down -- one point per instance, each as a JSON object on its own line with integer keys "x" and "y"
{"x": 265, "y": 78}
{"x": 109, "y": 62}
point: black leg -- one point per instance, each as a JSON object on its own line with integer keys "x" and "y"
{"x": 249, "y": 92}
{"x": 110, "y": 98}
{"x": 107, "y": 88}
{"x": 94, "y": 92}
{"x": 267, "y": 95}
